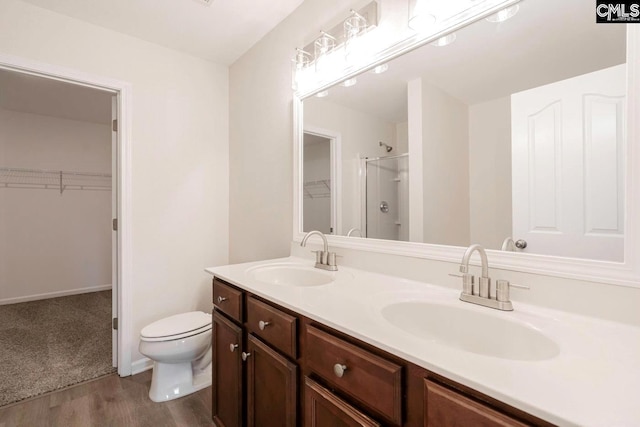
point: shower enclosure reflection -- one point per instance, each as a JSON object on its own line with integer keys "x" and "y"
{"x": 386, "y": 203}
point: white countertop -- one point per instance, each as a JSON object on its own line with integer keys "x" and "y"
{"x": 594, "y": 380}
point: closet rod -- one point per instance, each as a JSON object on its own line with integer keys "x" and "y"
{"x": 49, "y": 179}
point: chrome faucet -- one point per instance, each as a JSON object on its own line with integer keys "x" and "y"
{"x": 482, "y": 295}
{"x": 485, "y": 281}
{"x": 324, "y": 259}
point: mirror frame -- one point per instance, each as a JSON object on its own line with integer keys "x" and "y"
{"x": 625, "y": 273}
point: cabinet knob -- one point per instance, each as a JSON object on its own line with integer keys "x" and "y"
{"x": 245, "y": 356}
{"x": 262, "y": 324}
{"x": 339, "y": 369}
{"x": 232, "y": 347}
{"x": 221, "y": 300}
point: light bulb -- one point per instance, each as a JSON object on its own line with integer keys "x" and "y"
{"x": 349, "y": 82}
{"x": 445, "y": 40}
{"x": 504, "y": 14}
{"x": 380, "y": 68}
{"x": 422, "y": 16}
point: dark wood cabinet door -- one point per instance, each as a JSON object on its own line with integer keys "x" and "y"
{"x": 448, "y": 408}
{"x": 227, "y": 372}
{"x": 272, "y": 387}
{"x": 324, "y": 409}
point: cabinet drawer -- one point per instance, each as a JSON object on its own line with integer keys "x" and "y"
{"x": 228, "y": 300}
{"x": 374, "y": 381}
{"x": 445, "y": 407}
{"x": 272, "y": 325}
{"x": 324, "y": 409}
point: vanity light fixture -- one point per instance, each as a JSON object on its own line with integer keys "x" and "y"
{"x": 354, "y": 27}
{"x": 322, "y": 47}
{"x": 445, "y": 40}
{"x": 300, "y": 62}
{"x": 302, "y": 59}
{"x": 504, "y": 14}
{"x": 347, "y": 45}
{"x": 379, "y": 69}
{"x": 349, "y": 82}
{"x": 322, "y": 94}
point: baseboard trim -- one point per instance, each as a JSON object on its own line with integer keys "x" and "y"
{"x": 56, "y": 294}
{"x": 141, "y": 365}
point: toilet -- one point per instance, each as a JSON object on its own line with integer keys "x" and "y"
{"x": 180, "y": 347}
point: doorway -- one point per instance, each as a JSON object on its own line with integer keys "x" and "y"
{"x": 321, "y": 182}
{"x": 56, "y": 305}
{"x": 121, "y": 268}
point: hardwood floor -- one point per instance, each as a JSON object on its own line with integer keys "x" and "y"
{"x": 109, "y": 401}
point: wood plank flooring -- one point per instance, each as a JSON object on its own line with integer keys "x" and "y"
{"x": 109, "y": 401}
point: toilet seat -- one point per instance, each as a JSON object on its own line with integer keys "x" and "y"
{"x": 177, "y": 327}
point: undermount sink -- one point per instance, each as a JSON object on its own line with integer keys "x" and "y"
{"x": 291, "y": 275}
{"x": 471, "y": 331}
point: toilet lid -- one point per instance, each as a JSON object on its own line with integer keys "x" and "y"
{"x": 179, "y": 324}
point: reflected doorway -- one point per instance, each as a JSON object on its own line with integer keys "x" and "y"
{"x": 320, "y": 185}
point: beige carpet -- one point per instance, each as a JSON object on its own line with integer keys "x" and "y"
{"x": 49, "y": 344}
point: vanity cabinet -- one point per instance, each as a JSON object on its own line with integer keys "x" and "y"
{"x": 255, "y": 377}
{"x": 275, "y": 367}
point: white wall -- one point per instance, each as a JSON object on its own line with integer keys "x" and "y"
{"x": 260, "y": 134}
{"x": 401, "y": 139}
{"x": 490, "y": 172}
{"x": 52, "y": 243}
{"x": 360, "y": 134}
{"x": 179, "y": 151}
{"x": 445, "y": 167}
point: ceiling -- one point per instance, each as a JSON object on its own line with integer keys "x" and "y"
{"x": 221, "y": 31}
{"x": 38, "y": 95}
{"x": 545, "y": 42}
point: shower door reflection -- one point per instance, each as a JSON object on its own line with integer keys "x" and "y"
{"x": 386, "y": 201}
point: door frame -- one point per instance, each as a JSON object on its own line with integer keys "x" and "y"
{"x": 335, "y": 160}
{"x": 123, "y": 91}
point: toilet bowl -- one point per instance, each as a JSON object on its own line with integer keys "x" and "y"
{"x": 180, "y": 347}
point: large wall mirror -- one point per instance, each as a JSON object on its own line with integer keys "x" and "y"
{"x": 508, "y": 134}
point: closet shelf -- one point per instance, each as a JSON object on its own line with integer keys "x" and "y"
{"x": 54, "y": 179}
{"x": 317, "y": 189}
